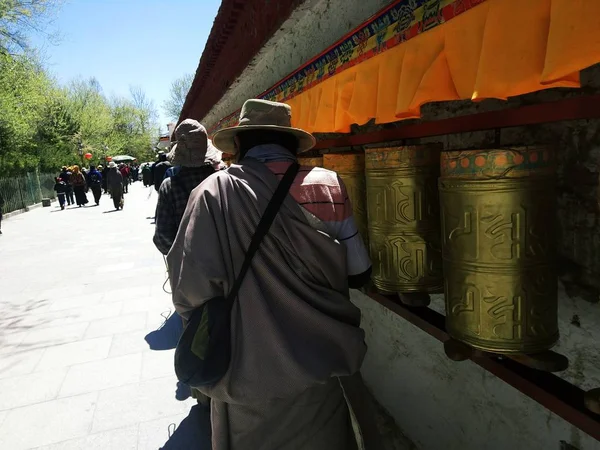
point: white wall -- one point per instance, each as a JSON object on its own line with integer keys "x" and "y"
{"x": 442, "y": 404}
{"x": 438, "y": 403}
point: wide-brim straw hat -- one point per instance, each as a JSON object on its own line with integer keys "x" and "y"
{"x": 263, "y": 115}
{"x": 193, "y": 148}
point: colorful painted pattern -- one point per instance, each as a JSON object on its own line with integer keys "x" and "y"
{"x": 400, "y": 22}
{"x": 498, "y": 163}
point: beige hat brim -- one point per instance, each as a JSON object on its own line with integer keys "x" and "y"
{"x": 224, "y": 139}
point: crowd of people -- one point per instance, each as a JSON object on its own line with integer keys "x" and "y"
{"x": 291, "y": 335}
{"x": 74, "y": 183}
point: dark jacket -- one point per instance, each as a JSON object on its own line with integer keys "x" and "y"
{"x": 60, "y": 187}
{"x": 94, "y": 178}
{"x": 159, "y": 173}
{"x": 104, "y": 177}
{"x": 65, "y": 176}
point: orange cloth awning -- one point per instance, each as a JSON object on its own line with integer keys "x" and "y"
{"x": 498, "y": 49}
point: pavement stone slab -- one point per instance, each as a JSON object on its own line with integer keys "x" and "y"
{"x": 127, "y": 343}
{"x": 51, "y": 336}
{"x": 119, "y": 324}
{"x": 81, "y": 290}
{"x": 158, "y": 364}
{"x": 29, "y": 389}
{"x": 48, "y": 423}
{"x": 103, "y": 374}
{"x": 122, "y": 439}
{"x": 139, "y": 402}
{"x": 75, "y": 353}
{"x": 20, "y": 363}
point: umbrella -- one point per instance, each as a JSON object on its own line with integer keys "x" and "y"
{"x": 123, "y": 158}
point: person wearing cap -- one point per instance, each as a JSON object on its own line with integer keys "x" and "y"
{"x": 296, "y": 342}
{"x": 158, "y": 169}
{"x": 196, "y": 159}
{"x": 115, "y": 185}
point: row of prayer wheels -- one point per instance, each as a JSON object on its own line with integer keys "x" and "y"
{"x": 477, "y": 225}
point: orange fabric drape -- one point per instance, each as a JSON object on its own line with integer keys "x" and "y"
{"x": 499, "y": 49}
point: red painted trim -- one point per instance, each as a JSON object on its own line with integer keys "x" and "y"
{"x": 559, "y": 396}
{"x": 240, "y": 30}
{"x": 569, "y": 109}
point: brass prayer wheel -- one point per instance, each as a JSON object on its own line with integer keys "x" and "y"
{"x": 403, "y": 215}
{"x": 499, "y": 248}
{"x": 316, "y": 161}
{"x": 351, "y": 169}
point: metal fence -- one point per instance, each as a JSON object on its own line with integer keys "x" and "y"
{"x": 22, "y": 192}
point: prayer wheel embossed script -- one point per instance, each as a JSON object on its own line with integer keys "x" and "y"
{"x": 351, "y": 169}
{"x": 403, "y": 214}
{"x": 499, "y": 248}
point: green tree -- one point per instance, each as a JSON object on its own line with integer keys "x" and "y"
{"x": 56, "y": 133}
{"x": 177, "y": 94}
{"x": 21, "y": 18}
{"x": 92, "y": 111}
{"x": 24, "y": 93}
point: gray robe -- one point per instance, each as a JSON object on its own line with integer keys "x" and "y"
{"x": 294, "y": 329}
{"x": 114, "y": 180}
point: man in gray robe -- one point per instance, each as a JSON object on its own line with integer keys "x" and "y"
{"x": 296, "y": 342}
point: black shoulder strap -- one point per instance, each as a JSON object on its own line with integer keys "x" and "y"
{"x": 264, "y": 225}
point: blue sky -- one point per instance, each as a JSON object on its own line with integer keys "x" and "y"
{"x": 129, "y": 42}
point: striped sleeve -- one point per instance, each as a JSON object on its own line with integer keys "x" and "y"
{"x": 322, "y": 193}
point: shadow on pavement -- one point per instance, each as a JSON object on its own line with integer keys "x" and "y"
{"x": 167, "y": 336}
{"x": 192, "y": 433}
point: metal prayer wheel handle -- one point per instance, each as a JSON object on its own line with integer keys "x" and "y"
{"x": 546, "y": 361}
{"x": 415, "y": 299}
{"x": 457, "y": 351}
{"x": 591, "y": 399}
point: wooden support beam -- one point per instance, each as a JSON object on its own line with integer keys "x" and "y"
{"x": 585, "y": 107}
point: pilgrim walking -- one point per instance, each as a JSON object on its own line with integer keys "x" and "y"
{"x": 95, "y": 183}
{"x": 115, "y": 185}
{"x": 79, "y": 186}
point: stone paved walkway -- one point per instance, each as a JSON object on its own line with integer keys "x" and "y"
{"x": 80, "y": 290}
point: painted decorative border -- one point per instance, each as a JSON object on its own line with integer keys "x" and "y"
{"x": 397, "y": 23}
{"x": 519, "y": 162}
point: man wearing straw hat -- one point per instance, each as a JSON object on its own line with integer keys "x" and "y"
{"x": 296, "y": 343}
